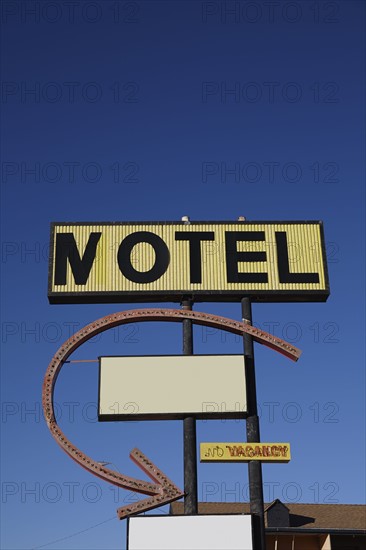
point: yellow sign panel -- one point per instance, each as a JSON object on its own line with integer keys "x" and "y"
{"x": 211, "y": 261}
{"x": 244, "y": 452}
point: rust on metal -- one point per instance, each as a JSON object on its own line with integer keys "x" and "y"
{"x": 168, "y": 491}
{"x": 125, "y": 317}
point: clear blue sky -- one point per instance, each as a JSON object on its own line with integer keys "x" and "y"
{"x": 139, "y": 111}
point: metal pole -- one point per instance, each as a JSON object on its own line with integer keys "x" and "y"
{"x": 189, "y": 431}
{"x": 253, "y": 435}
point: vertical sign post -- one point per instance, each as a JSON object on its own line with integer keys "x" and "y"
{"x": 253, "y": 435}
{"x": 189, "y": 430}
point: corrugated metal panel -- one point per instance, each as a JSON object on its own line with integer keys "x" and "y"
{"x": 304, "y": 244}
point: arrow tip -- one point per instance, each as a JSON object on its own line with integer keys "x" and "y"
{"x": 167, "y": 491}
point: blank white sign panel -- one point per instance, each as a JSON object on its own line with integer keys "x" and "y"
{"x": 218, "y": 532}
{"x": 172, "y": 386}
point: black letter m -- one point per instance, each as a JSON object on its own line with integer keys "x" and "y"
{"x": 66, "y": 249}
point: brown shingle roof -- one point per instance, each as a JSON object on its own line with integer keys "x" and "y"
{"x": 305, "y": 516}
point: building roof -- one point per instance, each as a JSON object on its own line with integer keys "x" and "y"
{"x": 302, "y": 516}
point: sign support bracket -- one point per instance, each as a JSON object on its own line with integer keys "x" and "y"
{"x": 253, "y": 434}
{"x": 189, "y": 430}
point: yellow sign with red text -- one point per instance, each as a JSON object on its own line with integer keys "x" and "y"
{"x": 244, "y": 452}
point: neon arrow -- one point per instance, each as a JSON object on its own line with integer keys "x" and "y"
{"x": 162, "y": 492}
{"x": 166, "y": 490}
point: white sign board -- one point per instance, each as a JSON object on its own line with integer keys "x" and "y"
{"x": 171, "y": 387}
{"x": 218, "y": 532}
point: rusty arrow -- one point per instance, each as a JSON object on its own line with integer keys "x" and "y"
{"x": 166, "y": 490}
